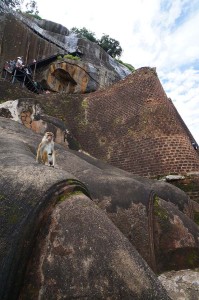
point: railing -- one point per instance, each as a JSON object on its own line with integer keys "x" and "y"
{"x": 22, "y": 76}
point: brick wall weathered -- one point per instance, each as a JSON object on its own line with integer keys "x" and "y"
{"x": 134, "y": 125}
{"x": 190, "y": 185}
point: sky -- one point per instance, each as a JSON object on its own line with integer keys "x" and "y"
{"x": 155, "y": 33}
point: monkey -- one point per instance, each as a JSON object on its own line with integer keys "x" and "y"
{"x": 45, "y": 151}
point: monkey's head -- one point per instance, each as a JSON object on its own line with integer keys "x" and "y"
{"x": 49, "y": 136}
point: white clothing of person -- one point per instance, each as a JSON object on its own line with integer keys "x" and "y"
{"x": 19, "y": 63}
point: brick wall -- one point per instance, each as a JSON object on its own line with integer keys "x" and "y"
{"x": 134, "y": 126}
{"x": 190, "y": 185}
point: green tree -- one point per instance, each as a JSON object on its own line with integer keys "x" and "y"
{"x": 85, "y": 33}
{"x": 111, "y": 46}
{"x": 129, "y": 66}
{"x": 31, "y": 7}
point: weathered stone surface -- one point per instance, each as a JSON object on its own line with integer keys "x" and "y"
{"x": 171, "y": 194}
{"x": 30, "y": 195}
{"x": 19, "y": 40}
{"x": 176, "y": 238}
{"x": 81, "y": 254}
{"x": 51, "y": 27}
{"x": 182, "y": 285}
{"x": 30, "y": 113}
{"x": 28, "y": 192}
{"x": 74, "y": 76}
{"x": 156, "y": 218}
{"x": 9, "y": 91}
{"x": 39, "y": 39}
{"x": 128, "y": 202}
{"x": 190, "y": 184}
{"x": 195, "y": 207}
{"x": 131, "y": 205}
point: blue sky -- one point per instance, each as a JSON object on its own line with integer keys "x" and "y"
{"x": 156, "y": 33}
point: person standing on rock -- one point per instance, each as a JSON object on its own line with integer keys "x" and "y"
{"x": 19, "y": 63}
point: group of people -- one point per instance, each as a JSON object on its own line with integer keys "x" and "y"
{"x": 13, "y": 66}
{"x": 18, "y": 64}
{"x": 21, "y": 66}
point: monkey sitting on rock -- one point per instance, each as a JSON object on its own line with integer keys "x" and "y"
{"x": 46, "y": 152}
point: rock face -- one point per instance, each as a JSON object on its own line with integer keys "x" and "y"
{"x": 51, "y": 27}
{"x": 85, "y": 229}
{"x": 40, "y": 39}
{"x": 40, "y": 197}
{"x": 74, "y": 252}
{"x": 22, "y": 42}
{"x": 56, "y": 241}
{"x": 129, "y": 124}
{"x": 73, "y": 76}
{"x": 29, "y": 113}
{"x": 183, "y": 284}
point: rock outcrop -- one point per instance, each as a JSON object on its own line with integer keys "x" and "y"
{"x": 21, "y": 35}
{"x": 183, "y": 284}
{"x": 30, "y": 113}
{"x": 86, "y": 229}
{"x": 52, "y": 225}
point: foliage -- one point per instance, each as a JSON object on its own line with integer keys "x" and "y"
{"x": 111, "y": 46}
{"x": 160, "y": 211}
{"x": 129, "y": 66}
{"x": 34, "y": 16}
{"x": 85, "y": 33}
{"x": 70, "y": 56}
{"x": 30, "y": 6}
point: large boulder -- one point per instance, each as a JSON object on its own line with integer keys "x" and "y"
{"x": 80, "y": 253}
{"x": 50, "y": 224}
{"x": 35, "y": 197}
{"x": 156, "y": 217}
{"x": 30, "y": 113}
{"x": 76, "y": 76}
{"x": 183, "y": 284}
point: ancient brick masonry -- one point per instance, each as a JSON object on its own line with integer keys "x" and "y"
{"x": 135, "y": 126}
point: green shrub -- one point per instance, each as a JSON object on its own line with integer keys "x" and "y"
{"x": 129, "y": 66}
{"x": 34, "y": 16}
{"x": 70, "y": 56}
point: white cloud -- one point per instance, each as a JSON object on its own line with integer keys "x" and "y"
{"x": 183, "y": 88}
{"x": 157, "y": 33}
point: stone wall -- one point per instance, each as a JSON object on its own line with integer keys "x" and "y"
{"x": 190, "y": 185}
{"x": 134, "y": 126}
